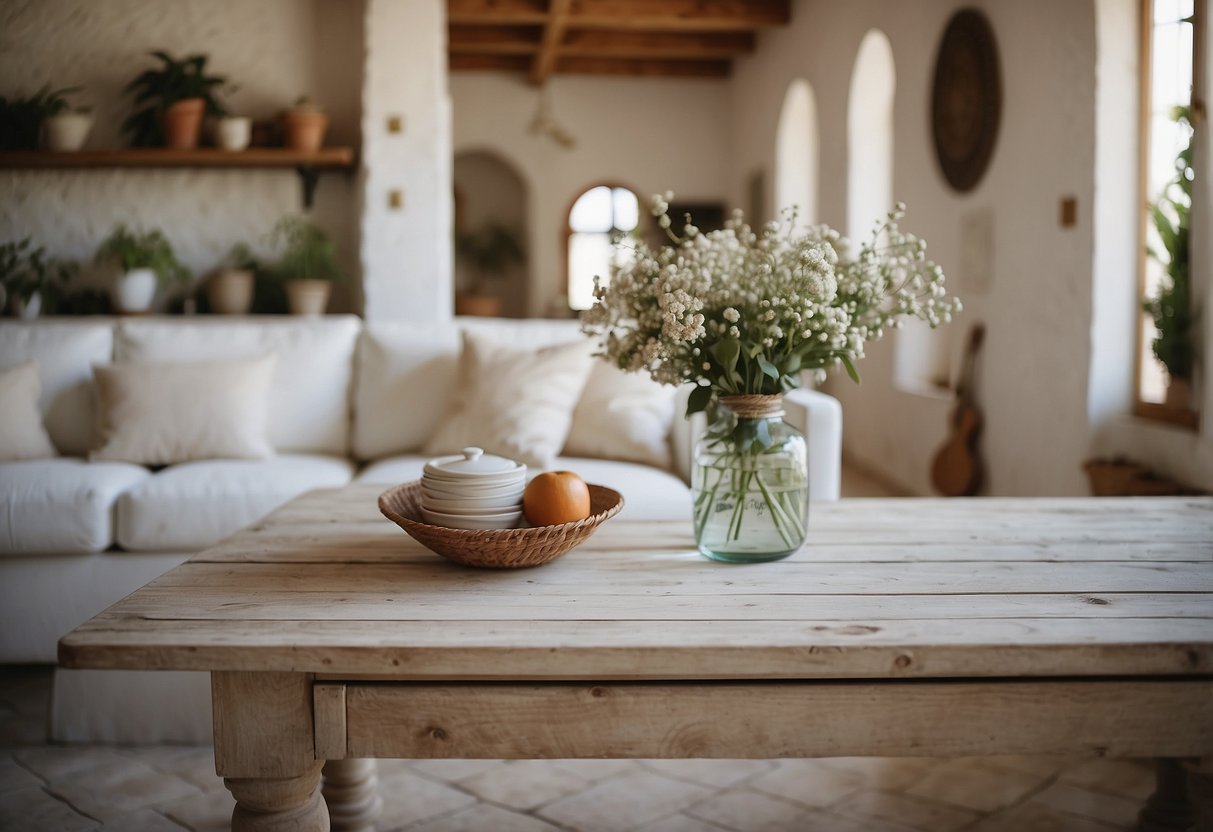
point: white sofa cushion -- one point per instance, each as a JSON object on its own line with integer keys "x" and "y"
{"x": 197, "y": 504}
{"x": 516, "y": 403}
{"x": 310, "y": 388}
{"x": 649, "y": 493}
{"x": 22, "y": 435}
{"x": 624, "y": 416}
{"x": 65, "y": 352}
{"x": 63, "y": 505}
{"x": 407, "y": 374}
{"x": 158, "y": 414}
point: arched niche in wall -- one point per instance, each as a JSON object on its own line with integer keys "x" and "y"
{"x": 796, "y": 153}
{"x": 491, "y": 201}
{"x": 920, "y": 353}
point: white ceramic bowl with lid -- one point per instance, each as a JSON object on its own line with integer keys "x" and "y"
{"x": 473, "y": 490}
{"x": 473, "y": 465}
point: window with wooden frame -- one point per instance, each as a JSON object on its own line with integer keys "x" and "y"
{"x": 1173, "y": 44}
{"x": 598, "y": 219}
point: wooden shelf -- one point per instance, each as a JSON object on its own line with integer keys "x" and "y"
{"x": 307, "y": 165}
{"x": 159, "y": 157}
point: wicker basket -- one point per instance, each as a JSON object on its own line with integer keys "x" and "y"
{"x": 496, "y": 548}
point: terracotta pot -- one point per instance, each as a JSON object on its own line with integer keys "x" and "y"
{"x": 482, "y": 306}
{"x": 308, "y": 297}
{"x": 1179, "y": 394}
{"x": 67, "y": 132}
{"x": 182, "y": 123}
{"x": 230, "y": 292}
{"x": 305, "y": 129}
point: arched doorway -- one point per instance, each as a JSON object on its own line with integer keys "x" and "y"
{"x": 491, "y": 234}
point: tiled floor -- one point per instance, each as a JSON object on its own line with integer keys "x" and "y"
{"x": 170, "y": 788}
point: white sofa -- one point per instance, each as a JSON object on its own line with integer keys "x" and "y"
{"x": 348, "y": 402}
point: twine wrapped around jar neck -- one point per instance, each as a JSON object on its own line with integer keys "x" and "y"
{"x": 754, "y": 406}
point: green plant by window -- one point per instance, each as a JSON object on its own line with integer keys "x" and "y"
{"x": 128, "y": 250}
{"x": 158, "y": 89}
{"x": 489, "y": 250}
{"x": 21, "y": 118}
{"x": 309, "y": 253}
{"x": 1171, "y": 306}
{"x": 26, "y": 271}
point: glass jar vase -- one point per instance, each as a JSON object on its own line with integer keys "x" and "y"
{"x": 750, "y": 482}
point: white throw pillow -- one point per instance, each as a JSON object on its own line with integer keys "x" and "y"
{"x": 624, "y": 416}
{"x": 513, "y": 402}
{"x": 22, "y": 435}
{"x": 159, "y": 414}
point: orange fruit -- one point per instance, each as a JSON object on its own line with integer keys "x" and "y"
{"x": 556, "y": 497}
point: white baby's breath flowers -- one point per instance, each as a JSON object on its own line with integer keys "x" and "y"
{"x": 740, "y": 311}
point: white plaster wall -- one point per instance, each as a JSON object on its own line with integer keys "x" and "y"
{"x": 1033, "y": 380}
{"x": 275, "y": 50}
{"x": 406, "y": 252}
{"x": 649, "y": 134}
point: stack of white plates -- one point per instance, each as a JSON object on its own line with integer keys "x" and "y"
{"x": 473, "y": 490}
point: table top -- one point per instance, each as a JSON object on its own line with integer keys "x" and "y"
{"x": 901, "y": 588}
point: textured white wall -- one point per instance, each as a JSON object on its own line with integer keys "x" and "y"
{"x": 649, "y": 134}
{"x": 406, "y": 252}
{"x": 1034, "y": 372}
{"x": 274, "y": 50}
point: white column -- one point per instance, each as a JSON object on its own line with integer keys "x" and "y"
{"x": 406, "y": 250}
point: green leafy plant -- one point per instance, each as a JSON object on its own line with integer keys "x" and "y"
{"x": 309, "y": 253}
{"x": 156, "y": 90}
{"x": 21, "y": 118}
{"x": 1171, "y": 307}
{"x": 128, "y": 250}
{"x": 489, "y": 250}
{"x": 25, "y": 271}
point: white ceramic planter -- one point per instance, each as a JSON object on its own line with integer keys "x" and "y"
{"x": 67, "y": 132}
{"x": 233, "y": 133}
{"x": 27, "y": 310}
{"x": 308, "y": 297}
{"x": 135, "y": 290}
{"x": 230, "y": 292}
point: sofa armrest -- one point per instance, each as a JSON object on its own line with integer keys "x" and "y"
{"x": 815, "y": 414}
{"x": 819, "y": 417}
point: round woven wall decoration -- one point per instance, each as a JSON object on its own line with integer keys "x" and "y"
{"x": 966, "y": 101}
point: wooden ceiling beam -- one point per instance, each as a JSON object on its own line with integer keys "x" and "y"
{"x": 497, "y": 11}
{"x": 668, "y": 15}
{"x": 600, "y": 43}
{"x": 493, "y": 40}
{"x": 646, "y": 68}
{"x": 477, "y": 63}
{"x": 553, "y": 35}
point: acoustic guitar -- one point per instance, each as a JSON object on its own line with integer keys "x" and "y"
{"x": 956, "y": 471}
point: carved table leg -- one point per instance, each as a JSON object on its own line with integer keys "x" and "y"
{"x": 351, "y": 789}
{"x": 265, "y": 751}
{"x": 1200, "y": 793}
{"x": 279, "y": 805}
{"x": 1168, "y": 809}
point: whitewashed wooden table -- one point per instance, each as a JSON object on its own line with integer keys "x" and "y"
{"x": 905, "y": 627}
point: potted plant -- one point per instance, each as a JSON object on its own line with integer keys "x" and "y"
{"x": 21, "y": 119}
{"x": 1171, "y": 307}
{"x": 66, "y": 127}
{"x": 231, "y": 132}
{"x": 308, "y": 265}
{"x": 230, "y": 290}
{"x": 489, "y": 252}
{"x": 146, "y": 262}
{"x": 173, "y": 98}
{"x": 31, "y": 283}
{"x": 304, "y": 125}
